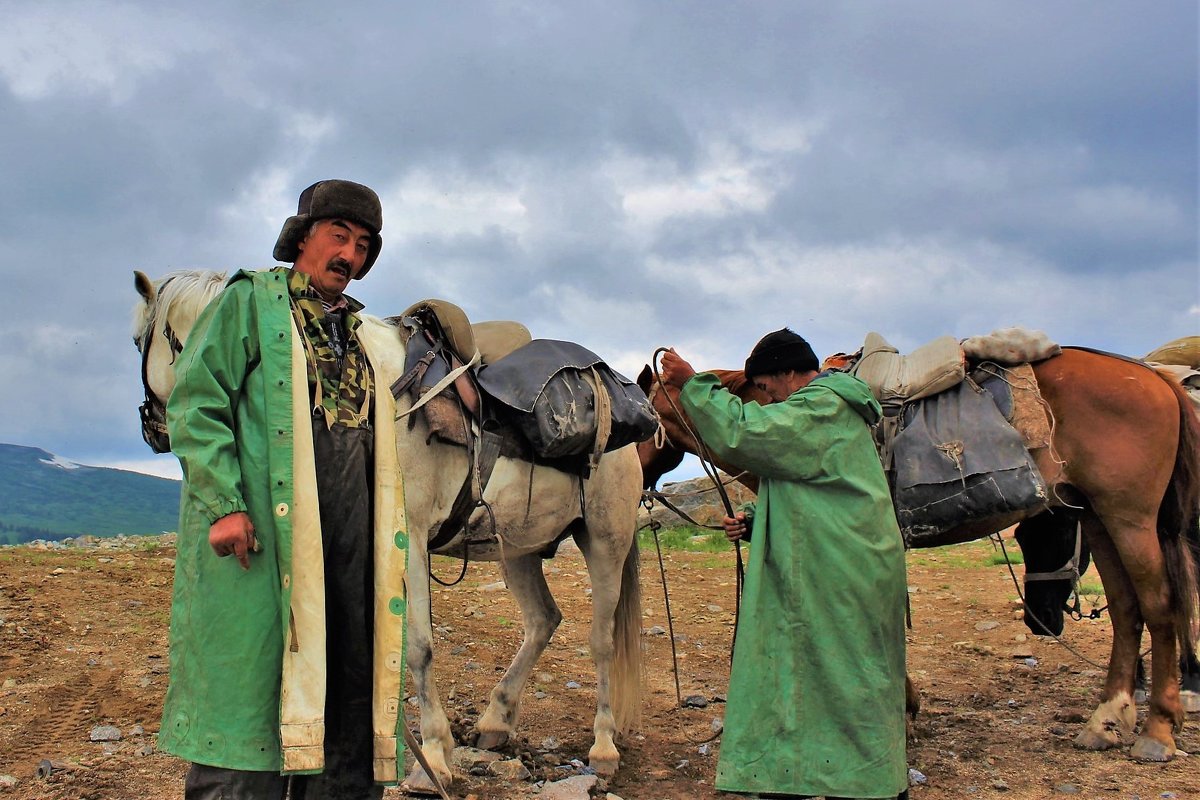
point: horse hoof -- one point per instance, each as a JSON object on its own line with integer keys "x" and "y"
{"x": 605, "y": 767}
{"x": 1147, "y": 749}
{"x": 491, "y": 740}
{"x": 418, "y": 783}
{"x": 1090, "y": 740}
{"x": 1190, "y": 701}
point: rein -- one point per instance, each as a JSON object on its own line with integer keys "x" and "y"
{"x": 710, "y": 469}
{"x": 1070, "y": 570}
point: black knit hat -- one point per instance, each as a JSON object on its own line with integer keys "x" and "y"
{"x": 332, "y": 200}
{"x": 778, "y": 352}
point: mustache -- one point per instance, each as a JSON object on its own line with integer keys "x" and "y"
{"x": 340, "y": 265}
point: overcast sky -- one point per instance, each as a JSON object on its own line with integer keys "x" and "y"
{"x": 621, "y": 174}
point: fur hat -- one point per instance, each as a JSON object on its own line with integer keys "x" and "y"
{"x": 778, "y": 352}
{"x": 332, "y": 200}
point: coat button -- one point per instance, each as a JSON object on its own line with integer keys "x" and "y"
{"x": 287, "y": 581}
{"x": 396, "y": 606}
{"x": 281, "y": 510}
{"x": 394, "y": 662}
{"x": 392, "y": 707}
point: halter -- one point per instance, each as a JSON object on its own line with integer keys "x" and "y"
{"x": 153, "y": 412}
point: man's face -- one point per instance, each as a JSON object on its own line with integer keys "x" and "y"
{"x": 332, "y": 254}
{"x": 778, "y": 387}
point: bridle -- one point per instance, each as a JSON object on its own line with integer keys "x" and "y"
{"x": 152, "y": 411}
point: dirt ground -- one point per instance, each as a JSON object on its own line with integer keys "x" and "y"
{"x": 83, "y": 643}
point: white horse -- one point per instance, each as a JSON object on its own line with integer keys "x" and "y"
{"x": 533, "y": 507}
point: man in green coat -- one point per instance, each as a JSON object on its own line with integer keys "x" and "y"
{"x": 816, "y": 694}
{"x": 288, "y": 610}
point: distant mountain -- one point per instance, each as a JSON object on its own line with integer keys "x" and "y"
{"x": 43, "y": 496}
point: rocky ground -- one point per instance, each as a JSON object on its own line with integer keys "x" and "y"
{"x": 83, "y": 669}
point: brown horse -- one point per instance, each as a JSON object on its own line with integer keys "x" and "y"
{"x": 1126, "y": 451}
{"x": 677, "y": 440}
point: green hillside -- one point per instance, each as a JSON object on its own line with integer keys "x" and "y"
{"x": 44, "y": 497}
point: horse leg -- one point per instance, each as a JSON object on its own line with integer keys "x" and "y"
{"x": 437, "y": 742}
{"x": 1113, "y": 721}
{"x": 616, "y": 622}
{"x": 1140, "y": 562}
{"x": 540, "y": 617}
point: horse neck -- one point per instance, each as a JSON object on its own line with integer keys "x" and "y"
{"x": 180, "y": 298}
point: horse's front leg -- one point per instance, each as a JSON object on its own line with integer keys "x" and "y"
{"x": 540, "y": 617}
{"x": 437, "y": 742}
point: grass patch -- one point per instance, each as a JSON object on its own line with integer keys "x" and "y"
{"x": 968, "y": 555}
{"x": 687, "y": 538}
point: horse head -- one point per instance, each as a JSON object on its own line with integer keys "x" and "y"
{"x": 163, "y": 317}
{"x": 658, "y": 455}
{"x": 1054, "y": 554}
{"x": 663, "y": 453}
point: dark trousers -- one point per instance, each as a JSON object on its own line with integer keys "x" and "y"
{"x": 344, "y": 483}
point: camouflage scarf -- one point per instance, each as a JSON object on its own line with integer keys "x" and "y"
{"x": 338, "y": 373}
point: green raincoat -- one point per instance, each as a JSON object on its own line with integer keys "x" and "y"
{"x": 816, "y": 695}
{"x": 247, "y": 687}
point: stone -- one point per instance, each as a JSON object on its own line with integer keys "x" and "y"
{"x": 695, "y": 701}
{"x": 498, "y": 586}
{"x": 105, "y": 733}
{"x": 916, "y": 777}
{"x": 8, "y": 782}
{"x": 1066, "y": 788}
{"x": 466, "y": 758}
{"x": 657, "y": 630}
{"x": 510, "y": 770}
{"x": 572, "y": 684}
{"x": 986, "y": 626}
{"x": 577, "y": 787}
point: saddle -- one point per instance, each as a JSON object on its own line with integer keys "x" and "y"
{"x": 959, "y": 421}
{"x": 491, "y": 388}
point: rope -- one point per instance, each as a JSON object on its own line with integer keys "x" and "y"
{"x": 1042, "y": 625}
{"x": 706, "y": 463}
{"x": 654, "y": 526}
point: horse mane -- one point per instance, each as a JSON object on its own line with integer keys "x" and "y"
{"x": 192, "y": 288}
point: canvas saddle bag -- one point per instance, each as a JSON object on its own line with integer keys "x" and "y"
{"x": 955, "y": 443}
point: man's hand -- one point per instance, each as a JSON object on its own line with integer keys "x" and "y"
{"x": 233, "y": 535}
{"x": 675, "y": 371}
{"x": 735, "y": 526}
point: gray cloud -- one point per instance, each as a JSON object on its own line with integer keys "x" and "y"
{"x": 626, "y": 175}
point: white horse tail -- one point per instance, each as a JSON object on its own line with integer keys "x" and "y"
{"x": 626, "y": 675}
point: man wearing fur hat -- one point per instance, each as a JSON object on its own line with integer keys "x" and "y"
{"x": 816, "y": 694}
{"x": 287, "y": 617}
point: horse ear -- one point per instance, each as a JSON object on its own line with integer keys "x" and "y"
{"x": 643, "y": 379}
{"x": 144, "y": 286}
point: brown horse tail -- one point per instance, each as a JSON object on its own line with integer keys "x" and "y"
{"x": 626, "y": 675}
{"x": 1179, "y": 521}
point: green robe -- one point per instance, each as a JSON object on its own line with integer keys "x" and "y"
{"x": 247, "y": 688}
{"x": 816, "y": 695}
